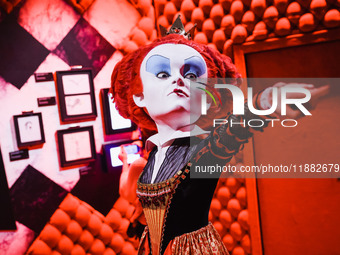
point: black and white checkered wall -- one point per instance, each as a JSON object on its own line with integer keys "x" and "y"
{"x": 47, "y": 36}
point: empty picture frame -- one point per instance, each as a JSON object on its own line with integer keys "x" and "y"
{"x": 76, "y": 146}
{"x": 76, "y": 97}
{"x": 29, "y": 129}
{"x": 114, "y": 123}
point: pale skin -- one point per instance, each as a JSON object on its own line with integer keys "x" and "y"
{"x": 128, "y": 179}
{"x": 167, "y": 95}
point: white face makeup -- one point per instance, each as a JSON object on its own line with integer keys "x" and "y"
{"x": 166, "y": 72}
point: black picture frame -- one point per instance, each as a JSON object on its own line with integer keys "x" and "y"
{"x": 113, "y": 122}
{"x": 76, "y": 146}
{"x": 76, "y": 97}
{"x": 29, "y": 129}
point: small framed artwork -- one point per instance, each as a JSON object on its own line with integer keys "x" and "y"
{"x": 76, "y": 95}
{"x": 114, "y": 123}
{"x": 76, "y": 146}
{"x": 29, "y": 129}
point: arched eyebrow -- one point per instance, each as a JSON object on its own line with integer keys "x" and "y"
{"x": 157, "y": 63}
{"x": 195, "y": 65}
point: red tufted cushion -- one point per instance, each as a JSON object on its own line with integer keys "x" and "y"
{"x": 60, "y": 220}
{"x": 73, "y": 230}
{"x": 86, "y": 239}
{"x": 97, "y": 247}
{"x": 50, "y": 235}
{"x": 113, "y": 219}
{"x": 117, "y": 243}
{"x": 78, "y": 250}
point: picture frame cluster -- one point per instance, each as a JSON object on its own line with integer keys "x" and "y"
{"x": 76, "y": 102}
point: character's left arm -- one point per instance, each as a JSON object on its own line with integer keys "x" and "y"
{"x": 227, "y": 139}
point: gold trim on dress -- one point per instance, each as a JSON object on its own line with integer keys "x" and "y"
{"x": 204, "y": 241}
{"x": 156, "y": 199}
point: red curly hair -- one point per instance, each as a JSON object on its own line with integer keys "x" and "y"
{"x": 126, "y": 81}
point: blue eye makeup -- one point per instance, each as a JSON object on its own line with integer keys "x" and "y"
{"x": 160, "y": 67}
{"x": 193, "y": 65}
{"x": 157, "y": 64}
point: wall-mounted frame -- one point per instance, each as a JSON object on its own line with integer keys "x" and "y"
{"x": 29, "y": 129}
{"x": 113, "y": 122}
{"x": 76, "y": 146}
{"x": 76, "y": 96}
{"x": 277, "y": 50}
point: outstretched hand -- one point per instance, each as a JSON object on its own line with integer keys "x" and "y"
{"x": 294, "y": 112}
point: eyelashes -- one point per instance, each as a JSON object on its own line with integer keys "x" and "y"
{"x": 191, "y": 76}
{"x": 160, "y": 66}
{"x": 194, "y": 65}
{"x": 163, "y": 75}
{"x": 157, "y": 64}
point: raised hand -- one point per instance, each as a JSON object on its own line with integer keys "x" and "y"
{"x": 122, "y": 154}
{"x": 291, "y": 111}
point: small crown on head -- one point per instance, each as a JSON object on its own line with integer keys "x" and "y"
{"x": 178, "y": 28}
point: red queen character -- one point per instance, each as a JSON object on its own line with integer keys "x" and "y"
{"x": 151, "y": 86}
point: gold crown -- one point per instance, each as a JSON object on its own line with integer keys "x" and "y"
{"x": 178, "y": 28}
